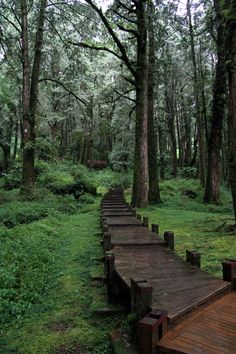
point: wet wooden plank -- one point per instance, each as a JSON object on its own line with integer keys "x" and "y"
{"x": 170, "y": 277}
{"x": 212, "y": 330}
{"x": 123, "y": 221}
{"x": 113, "y": 206}
{"x": 138, "y": 236}
{"x": 116, "y": 213}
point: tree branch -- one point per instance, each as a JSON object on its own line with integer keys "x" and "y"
{"x": 65, "y": 88}
{"x": 124, "y": 17}
{"x": 127, "y": 30}
{"x": 115, "y": 38}
{"x": 90, "y": 46}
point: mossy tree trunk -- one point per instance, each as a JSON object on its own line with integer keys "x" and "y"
{"x": 230, "y": 36}
{"x": 30, "y": 94}
{"x": 200, "y": 123}
{"x": 153, "y": 191}
{"x": 140, "y": 179}
{"x": 212, "y": 190}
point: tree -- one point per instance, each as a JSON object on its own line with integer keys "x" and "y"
{"x": 153, "y": 191}
{"x": 229, "y": 12}
{"x": 200, "y": 127}
{"x": 212, "y": 189}
{"x": 30, "y": 93}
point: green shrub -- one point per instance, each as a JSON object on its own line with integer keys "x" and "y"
{"x": 42, "y": 167}
{"x": 22, "y": 213}
{"x": 188, "y": 172}
{"x": 67, "y": 179}
{"x": 87, "y": 199}
{"x": 107, "y": 179}
{"x": 46, "y": 149}
{"x": 12, "y": 178}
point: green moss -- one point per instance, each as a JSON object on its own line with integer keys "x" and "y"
{"x": 63, "y": 318}
{"x": 197, "y": 226}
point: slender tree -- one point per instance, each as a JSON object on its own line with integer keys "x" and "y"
{"x": 200, "y": 126}
{"x": 153, "y": 191}
{"x": 30, "y": 93}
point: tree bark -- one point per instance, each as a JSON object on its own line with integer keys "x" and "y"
{"x": 140, "y": 179}
{"x": 212, "y": 190}
{"x": 30, "y": 95}
{"x": 154, "y": 191}
{"x": 230, "y": 35}
{"x": 16, "y": 139}
{"x": 200, "y": 125}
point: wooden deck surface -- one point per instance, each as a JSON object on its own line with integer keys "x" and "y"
{"x": 122, "y": 221}
{"x": 128, "y": 236}
{"x": 211, "y": 330}
{"x": 170, "y": 277}
{"x": 182, "y": 290}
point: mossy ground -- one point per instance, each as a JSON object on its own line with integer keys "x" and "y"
{"x": 65, "y": 322}
{"x": 197, "y": 226}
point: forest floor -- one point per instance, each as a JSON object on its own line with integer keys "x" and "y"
{"x": 64, "y": 321}
{"x": 49, "y": 299}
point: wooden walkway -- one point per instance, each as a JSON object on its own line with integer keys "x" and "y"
{"x": 179, "y": 308}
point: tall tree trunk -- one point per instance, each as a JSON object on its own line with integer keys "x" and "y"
{"x": 161, "y": 152}
{"x": 28, "y": 134}
{"x": 30, "y": 95}
{"x": 230, "y": 34}
{"x": 200, "y": 125}
{"x": 212, "y": 190}
{"x": 16, "y": 139}
{"x": 154, "y": 191}
{"x": 169, "y": 98}
{"x": 140, "y": 178}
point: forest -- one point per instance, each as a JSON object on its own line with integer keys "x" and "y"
{"x": 95, "y": 95}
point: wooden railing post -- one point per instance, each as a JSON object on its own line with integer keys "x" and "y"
{"x": 145, "y": 221}
{"x": 155, "y": 228}
{"x": 110, "y": 275}
{"x": 194, "y": 258}
{"x": 139, "y": 217}
{"x": 141, "y": 297}
{"x": 229, "y": 272}
{"x": 169, "y": 238}
{"x": 151, "y": 329}
{"x": 105, "y": 228}
{"x": 107, "y": 241}
{"x": 134, "y": 213}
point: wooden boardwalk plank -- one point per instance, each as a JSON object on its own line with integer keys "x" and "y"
{"x": 122, "y": 221}
{"x": 170, "y": 277}
{"x": 211, "y": 331}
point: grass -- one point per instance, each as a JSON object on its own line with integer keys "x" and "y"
{"x": 63, "y": 321}
{"x": 197, "y": 226}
